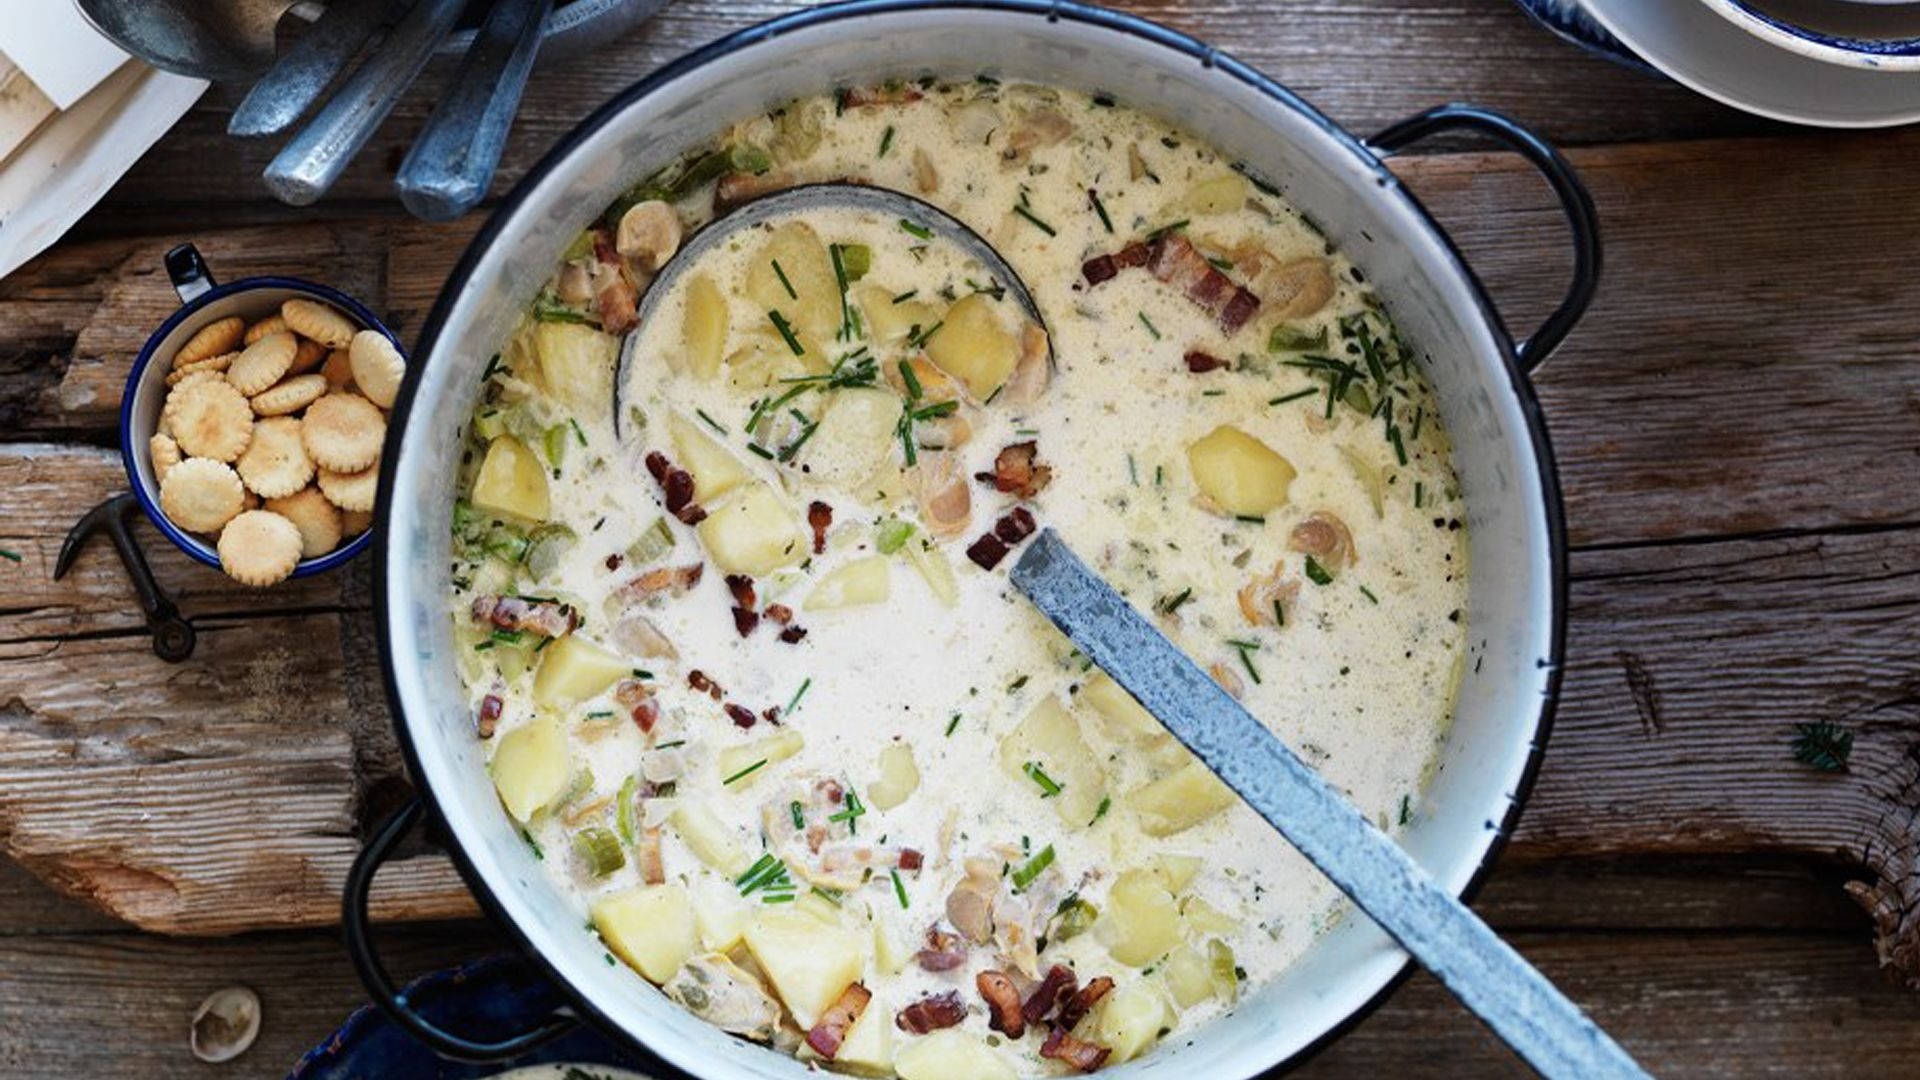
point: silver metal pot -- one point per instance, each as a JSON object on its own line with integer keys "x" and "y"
{"x": 1505, "y": 466}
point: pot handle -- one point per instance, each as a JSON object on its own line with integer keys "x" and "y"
{"x": 373, "y": 975}
{"x": 1582, "y": 221}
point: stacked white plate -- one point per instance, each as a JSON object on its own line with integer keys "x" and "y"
{"x": 1724, "y": 51}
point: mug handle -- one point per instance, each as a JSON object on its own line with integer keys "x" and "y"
{"x": 373, "y": 975}
{"x": 1582, "y": 221}
{"x": 188, "y": 272}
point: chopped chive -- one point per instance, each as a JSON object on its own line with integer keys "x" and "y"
{"x": 1419, "y": 493}
{"x": 776, "y": 898}
{"x": 1165, "y": 229}
{"x": 784, "y": 283}
{"x": 1406, "y": 809}
{"x": 711, "y": 422}
{"x": 1368, "y": 593}
{"x": 1295, "y": 396}
{"x": 755, "y": 870}
{"x": 786, "y": 331}
{"x": 829, "y": 895}
{"x": 1251, "y": 519}
{"x": 577, "y": 433}
{"x": 912, "y": 229}
{"x": 756, "y": 448}
{"x": 1317, "y": 573}
{"x": 1246, "y": 649}
{"x": 1024, "y": 876}
{"x": 913, "y": 381}
{"x": 852, "y": 814}
{"x": 1171, "y": 604}
{"x": 749, "y": 770}
{"x": 1100, "y": 208}
{"x": 792, "y": 448}
{"x": 899, "y": 889}
{"x": 1038, "y": 775}
{"x": 919, "y": 337}
{"x": 1133, "y": 472}
{"x": 1106, "y": 803}
{"x": 793, "y": 703}
{"x": 886, "y": 141}
{"x": 1148, "y": 323}
{"x": 670, "y": 744}
{"x": 1279, "y": 613}
{"x": 1021, "y": 209}
{"x": 951, "y": 724}
{"x": 906, "y": 296}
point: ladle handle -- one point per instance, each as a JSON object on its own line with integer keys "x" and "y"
{"x": 317, "y": 154}
{"x": 1583, "y": 222}
{"x": 447, "y": 171}
{"x": 1485, "y": 973}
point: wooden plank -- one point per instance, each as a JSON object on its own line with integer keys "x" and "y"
{"x": 1695, "y": 1005}
{"x": 1366, "y": 62}
{"x": 1677, "y": 364}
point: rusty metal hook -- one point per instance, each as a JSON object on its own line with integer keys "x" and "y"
{"x": 172, "y": 634}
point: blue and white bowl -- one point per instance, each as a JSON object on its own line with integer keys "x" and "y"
{"x": 203, "y": 302}
{"x": 1870, "y": 36}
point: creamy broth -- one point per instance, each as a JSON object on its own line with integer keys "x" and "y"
{"x": 774, "y": 751}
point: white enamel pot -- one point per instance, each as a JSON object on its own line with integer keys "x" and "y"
{"x": 1505, "y": 466}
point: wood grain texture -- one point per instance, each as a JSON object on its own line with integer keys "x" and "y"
{"x": 1366, "y": 63}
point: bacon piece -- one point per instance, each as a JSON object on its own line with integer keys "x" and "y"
{"x": 910, "y": 859}
{"x": 987, "y": 551}
{"x": 886, "y": 94}
{"x": 735, "y": 188}
{"x": 1173, "y": 259}
{"x": 678, "y": 487}
{"x": 771, "y": 714}
{"x": 744, "y": 620}
{"x": 1016, "y": 526}
{"x": 741, "y": 716}
{"x": 614, "y": 560}
{"x": 819, "y": 519}
{"x": 1200, "y": 362}
{"x": 616, "y": 300}
{"x": 657, "y": 466}
{"x": 1062, "y": 1046}
{"x": 779, "y": 613}
{"x": 740, "y": 587}
{"x": 646, "y": 854}
{"x": 1003, "y": 1003}
{"x": 547, "y": 618}
{"x": 1083, "y": 1001}
{"x": 1017, "y": 471}
{"x": 1055, "y": 989}
{"x": 637, "y": 698}
{"x": 792, "y": 634}
{"x": 826, "y": 1036}
{"x": 490, "y": 709}
{"x": 931, "y": 1013}
{"x": 1325, "y": 537}
{"x": 700, "y": 682}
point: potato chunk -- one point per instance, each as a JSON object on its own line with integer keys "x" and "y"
{"x": 650, "y": 927}
{"x": 1180, "y": 800}
{"x": 576, "y": 363}
{"x": 855, "y": 437}
{"x": 1049, "y": 737}
{"x": 753, "y": 532}
{"x": 814, "y": 304}
{"x": 1242, "y": 475}
{"x": 1130, "y": 1020}
{"x": 951, "y": 1054}
{"x": 772, "y": 749}
{"x": 511, "y": 481}
{"x": 574, "y": 669}
{"x": 1188, "y": 976}
{"x": 889, "y": 323}
{"x": 1216, "y": 195}
{"x": 899, "y": 776}
{"x": 867, "y": 1049}
{"x": 530, "y": 767}
{"x": 718, "y": 913}
{"x": 711, "y": 840}
{"x": 1126, "y": 720}
{"x": 703, "y": 327}
{"x": 808, "y": 962}
{"x": 715, "y": 470}
{"x": 974, "y": 346}
{"x": 1141, "y": 921}
{"x": 860, "y": 582}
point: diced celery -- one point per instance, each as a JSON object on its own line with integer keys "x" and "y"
{"x": 654, "y": 543}
{"x": 546, "y": 547}
{"x": 599, "y": 849}
{"x": 892, "y": 535}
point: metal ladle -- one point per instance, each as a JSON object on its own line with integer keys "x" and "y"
{"x": 1533, "y": 1017}
{"x": 815, "y": 198}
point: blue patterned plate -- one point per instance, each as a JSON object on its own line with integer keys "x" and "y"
{"x": 496, "y": 994}
{"x": 1569, "y": 21}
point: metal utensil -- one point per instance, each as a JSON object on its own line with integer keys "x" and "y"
{"x": 223, "y": 41}
{"x": 814, "y": 198}
{"x": 1485, "y": 973}
{"x": 297, "y": 79}
{"x": 447, "y": 171}
{"x": 315, "y": 157}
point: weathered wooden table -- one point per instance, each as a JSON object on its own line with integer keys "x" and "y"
{"x": 1738, "y": 428}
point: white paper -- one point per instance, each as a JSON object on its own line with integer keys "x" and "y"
{"x": 72, "y": 161}
{"x": 57, "y": 47}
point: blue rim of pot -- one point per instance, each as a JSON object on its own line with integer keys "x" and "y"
{"x": 1054, "y": 10}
